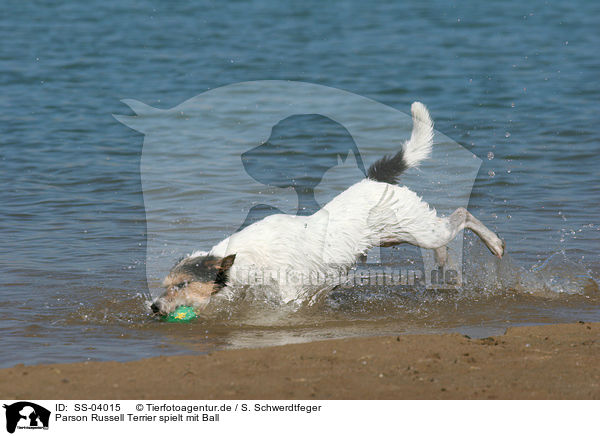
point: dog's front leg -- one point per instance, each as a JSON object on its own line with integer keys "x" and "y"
{"x": 441, "y": 255}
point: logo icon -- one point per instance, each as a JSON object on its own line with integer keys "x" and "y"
{"x": 26, "y": 415}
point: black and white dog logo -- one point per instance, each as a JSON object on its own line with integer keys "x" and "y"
{"x": 26, "y": 415}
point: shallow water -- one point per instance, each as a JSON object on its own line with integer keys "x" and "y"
{"x": 515, "y": 84}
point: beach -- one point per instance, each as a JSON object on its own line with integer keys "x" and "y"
{"x": 535, "y": 362}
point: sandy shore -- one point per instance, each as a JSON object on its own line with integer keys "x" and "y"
{"x": 552, "y": 361}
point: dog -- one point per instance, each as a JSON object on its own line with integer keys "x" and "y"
{"x": 373, "y": 212}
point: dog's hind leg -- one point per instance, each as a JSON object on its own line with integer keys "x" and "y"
{"x": 400, "y": 216}
{"x": 489, "y": 238}
{"x": 461, "y": 219}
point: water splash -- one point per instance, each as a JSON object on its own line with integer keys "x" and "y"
{"x": 554, "y": 276}
{"x": 561, "y": 275}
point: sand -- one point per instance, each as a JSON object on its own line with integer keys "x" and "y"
{"x": 539, "y": 362}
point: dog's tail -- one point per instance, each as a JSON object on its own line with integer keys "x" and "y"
{"x": 417, "y": 148}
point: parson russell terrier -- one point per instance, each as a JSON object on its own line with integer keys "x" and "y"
{"x": 373, "y": 212}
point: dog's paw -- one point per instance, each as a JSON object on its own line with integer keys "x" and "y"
{"x": 497, "y": 247}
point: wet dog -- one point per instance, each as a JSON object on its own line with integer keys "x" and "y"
{"x": 288, "y": 250}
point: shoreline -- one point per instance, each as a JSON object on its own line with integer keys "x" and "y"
{"x": 557, "y": 361}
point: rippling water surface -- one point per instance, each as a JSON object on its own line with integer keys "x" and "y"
{"x": 516, "y": 84}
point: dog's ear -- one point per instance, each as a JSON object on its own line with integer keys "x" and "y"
{"x": 222, "y": 275}
{"x": 227, "y": 262}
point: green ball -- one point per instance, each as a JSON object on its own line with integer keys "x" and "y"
{"x": 181, "y": 314}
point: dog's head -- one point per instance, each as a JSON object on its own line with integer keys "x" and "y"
{"x": 192, "y": 281}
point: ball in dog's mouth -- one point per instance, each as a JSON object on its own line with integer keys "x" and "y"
{"x": 181, "y": 314}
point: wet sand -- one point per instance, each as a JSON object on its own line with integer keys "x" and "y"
{"x": 539, "y": 362}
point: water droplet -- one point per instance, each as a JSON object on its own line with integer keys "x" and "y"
{"x": 490, "y": 155}
{"x": 512, "y": 104}
{"x": 507, "y": 135}
{"x": 491, "y": 173}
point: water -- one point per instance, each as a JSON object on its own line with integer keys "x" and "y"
{"x": 514, "y": 83}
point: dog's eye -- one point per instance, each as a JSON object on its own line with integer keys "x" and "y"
{"x": 181, "y": 285}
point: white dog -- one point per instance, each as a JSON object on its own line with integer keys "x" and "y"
{"x": 373, "y": 212}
